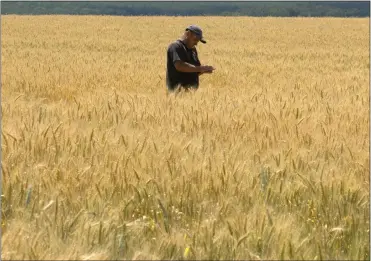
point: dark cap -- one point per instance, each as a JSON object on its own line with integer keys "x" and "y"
{"x": 196, "y": 30}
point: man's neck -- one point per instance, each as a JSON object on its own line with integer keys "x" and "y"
{"x": 185, "y": 41}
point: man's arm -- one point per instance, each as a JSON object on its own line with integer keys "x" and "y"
{"x": 189, "y": 68}
{"x": 177, "y": 56}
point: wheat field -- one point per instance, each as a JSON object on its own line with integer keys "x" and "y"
{"x": 269, "y": 159}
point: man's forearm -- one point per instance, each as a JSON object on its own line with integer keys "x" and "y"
{"x": 186, "y": 67}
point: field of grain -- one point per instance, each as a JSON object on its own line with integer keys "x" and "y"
{"x": 269, "y": 159}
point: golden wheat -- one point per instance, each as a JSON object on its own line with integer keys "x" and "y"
{"x": 267, "y": 160}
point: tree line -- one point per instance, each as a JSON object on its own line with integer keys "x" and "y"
{"x": 278, "y": 9}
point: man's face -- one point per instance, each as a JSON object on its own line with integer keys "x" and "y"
{"x": 193, "y": 39}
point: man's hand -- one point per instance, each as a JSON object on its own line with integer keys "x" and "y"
{"x": 206, "y": 69}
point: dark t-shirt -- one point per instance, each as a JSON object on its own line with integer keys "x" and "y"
{"x": 178, "y": 51}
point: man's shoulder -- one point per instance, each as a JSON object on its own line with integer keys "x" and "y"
{"x": 174, "y": 44}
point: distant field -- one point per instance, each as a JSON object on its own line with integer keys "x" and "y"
{"x": 269, "y": 159}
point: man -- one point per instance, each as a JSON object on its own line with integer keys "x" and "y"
{"x": 183, "y": 65}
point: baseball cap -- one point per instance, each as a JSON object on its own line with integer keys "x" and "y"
{"x": 197, "y": 30}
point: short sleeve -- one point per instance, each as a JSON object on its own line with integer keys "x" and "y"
{"x": 175, "y": 53}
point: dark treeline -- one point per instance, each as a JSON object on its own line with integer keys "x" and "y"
{"x": 283, "y": 9}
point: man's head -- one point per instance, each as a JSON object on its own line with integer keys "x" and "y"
{"x": 194, "y": 35}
